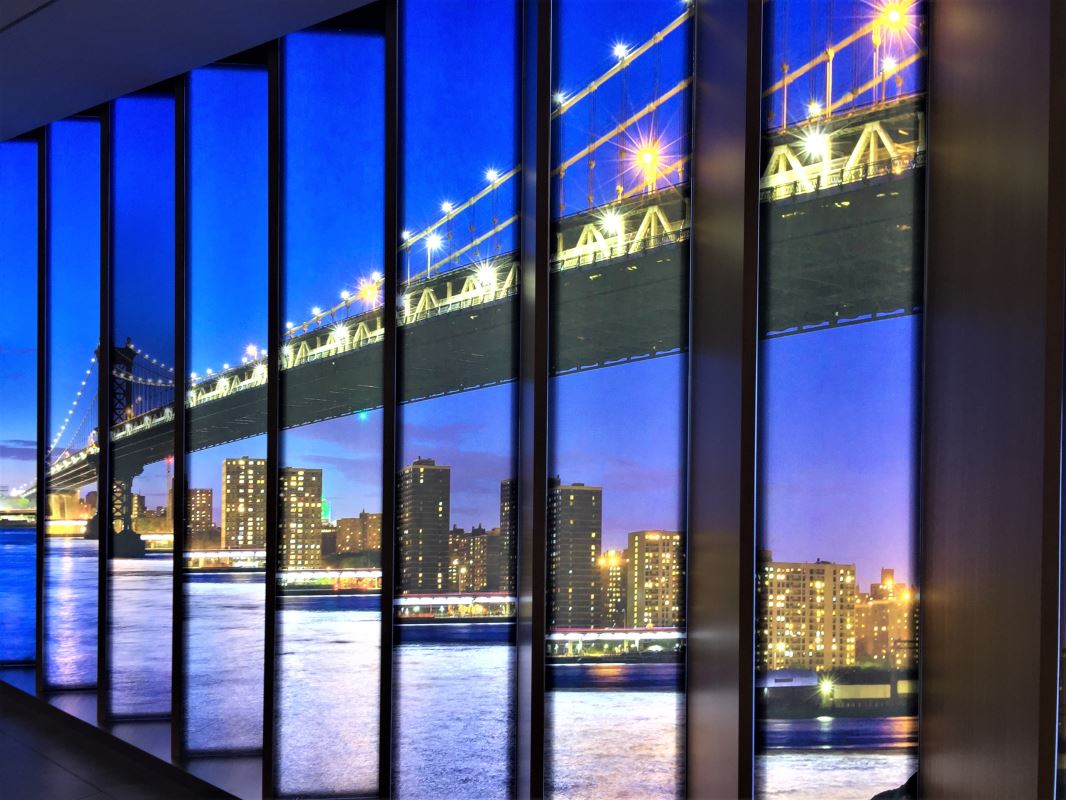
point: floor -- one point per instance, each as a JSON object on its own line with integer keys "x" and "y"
{"x": 39, "y": 758}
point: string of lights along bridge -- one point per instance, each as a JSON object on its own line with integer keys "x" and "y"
{"x": 617, "y": 260}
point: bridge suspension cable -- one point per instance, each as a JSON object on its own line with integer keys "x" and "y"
{"x": 73, "y": 407}
{"x": 563, "y": 106}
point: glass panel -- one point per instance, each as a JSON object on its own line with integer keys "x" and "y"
{"x": 329, "y": 593}
{"x": 842, "y": 242}
{"x": 142, "y": 414}
{"x": 18, "y": 402}
{"x": 616, "y": 523}
{"x": 71, "y": 564}
{"x": 226, "y": 407}
{"x": 457, "y": 309}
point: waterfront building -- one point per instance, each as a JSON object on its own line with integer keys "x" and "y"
{"x": 614, "y": 577}
{"x": 466, "y": 560}
{"x": 575, "y": 518}
{"x": 199, "y": 516}
{"x": 655, "y": 579}
{"x": 244, "y": 503}
{"x": 355, "y": 534}
{"x": 886, "y": 624}
{"x": 805, "y": 614}
{"x": 500, "y": 554}
{"x": 300, "y": 534}
{"x": 423, "y": 522}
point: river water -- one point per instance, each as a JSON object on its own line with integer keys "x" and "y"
{"x": 615, "y": 730}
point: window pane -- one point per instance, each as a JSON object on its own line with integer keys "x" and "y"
{"x": 18, "y": 401}
{"x": 329, "y": 594}
{"x": 73, "y": 336}
{"x": 226, "y": 407}
{"x": 457, "y": 309}
{"x": 619, "y": 314}
{"x": 842, "y": 242}
{"x": 142, "y": 437}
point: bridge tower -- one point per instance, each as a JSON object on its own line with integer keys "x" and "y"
{"x": 125, "y": 541}
{"x": 122, "y": 396}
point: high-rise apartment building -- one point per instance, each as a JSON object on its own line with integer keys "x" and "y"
{"x": 886, "y": 624}
{"x": 355, "y": 534}
{"x": 466, "y": 560}
{"x": 575, "y": 518}
{"x": 500, "y": 545}
{"x": 199, "y": 519}
{"x": 423, "y": 522}
{"x": 243, "y": 503}
{"x": 300, "y": 523}
{"x": 655, "y": 579}
{"x": 805, "y": 614}
{"x": 614, "y": 577}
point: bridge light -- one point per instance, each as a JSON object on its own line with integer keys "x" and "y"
{"x": 620, "y": 51}
{"x": 491, "y": 175}
{"x": 193, "y": 375}
{"x": 210, "y": 371}
{"x": 289, "y": 326}
{"x": 251, "y": 350}
{"x": 345, "y": 294}
{"x": 446, "y": 207}
{"x": 611, "y": 222}
{"x": 486, "y": 275}
{"x": 893, "y": 15}
{"x": 814, "y": 108}
{"x": 369, "y": 292}
{"x": 434, "y": 242}
{"x": 225, "y": 366}
{"x": 826, "y": 687}
{"x": 816, "y": 145}
{"x": 316, "y": 311}
{"x": 559, "y": 98}
{"x": 375, "y": 276}
{"x": 405, "y": 235}
{"x": 888, "y": 64}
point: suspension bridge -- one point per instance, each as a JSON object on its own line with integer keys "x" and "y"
{"x": 842, "y": 236}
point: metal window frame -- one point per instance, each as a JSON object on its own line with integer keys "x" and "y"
{"x": 104, "y": 467}
{"x": 43, "y": 257}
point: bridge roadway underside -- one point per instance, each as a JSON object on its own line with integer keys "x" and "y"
{"x": 831, "y": 258}
{"x": 843, "y": 255}
{"x": 605, "y": 313}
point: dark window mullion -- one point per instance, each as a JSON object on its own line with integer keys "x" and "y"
{"x": 723, "y": 325}
{"x": 105, "y": 490}
{"x": 43, "y": 145}
{"x": 178, "y": 487}
{"x": 273, "y": 402}
{"x": 534, "y": 352}
{"x": 390, "y": 292}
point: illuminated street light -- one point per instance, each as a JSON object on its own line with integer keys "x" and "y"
{"x": 433, "y": 244}
{"x": 816, "y": 145}
{"x": 826, "y": 688}
{"x": 648, "y": 160}
{"x": 893, "y": 16}
{"x": 486, "y": 275}
{"x": 611, "y": 222}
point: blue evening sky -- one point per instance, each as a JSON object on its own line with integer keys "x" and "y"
{"x": 837, "y": 420}
{"x": 18, "y": 336}
{"x": 74, "y": 279}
